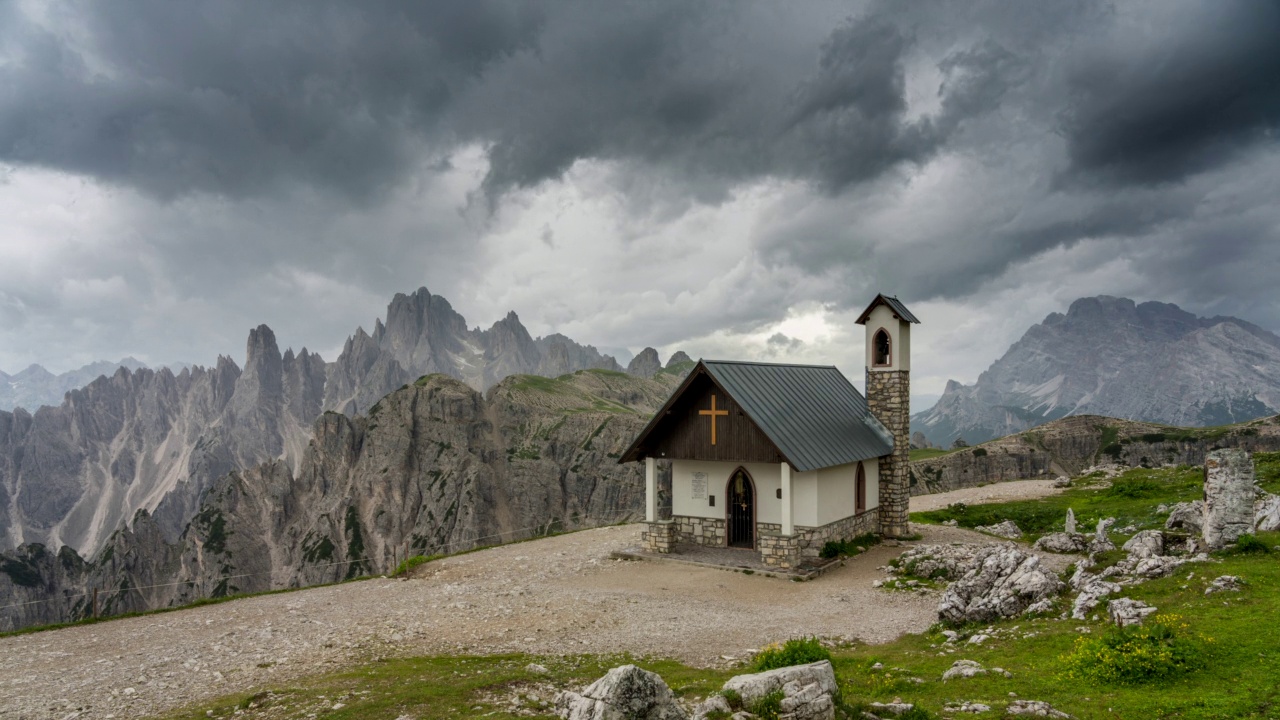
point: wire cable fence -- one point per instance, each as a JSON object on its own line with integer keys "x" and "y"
{"x": 546, "y": 529}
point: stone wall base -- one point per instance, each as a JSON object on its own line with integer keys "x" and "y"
{"x": 776, "y": 549}
{"x": 659, "y": 537}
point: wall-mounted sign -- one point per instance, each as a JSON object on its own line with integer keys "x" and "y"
{"x": 699, "y": 486}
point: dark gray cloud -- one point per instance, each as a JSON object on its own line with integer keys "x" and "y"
{"x": 1205, "y": 88}
{"x": 648, "y": 172}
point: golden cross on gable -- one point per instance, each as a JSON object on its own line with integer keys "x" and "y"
{"x": 713, "y": 412}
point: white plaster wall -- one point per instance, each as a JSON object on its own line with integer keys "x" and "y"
{"x": 899, "y": 335}
{"x": 804, "y": 506}
{"x": 767, "y": 477}
{"x": 837, "y": 490}
{"x": 818, "y": 497}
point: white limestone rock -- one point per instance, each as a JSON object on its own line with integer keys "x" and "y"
{"x": 893, "y": 708}
{"x": 1092, "y": 589}
{"x": 966, "y": 707}
{"x": 1224, "y": 583}
{"x": 1062, "y": 481}
{"x": 1062, "y": 543}
{"x": 751, "y": 688}
{"x": 1070, "y": 524}
{"x": 1266, "y": 513}
{"x": 1126, "y": 611}
{"x": 713, "y": 704}
{"x": 1146, "y": 544}
{"x": 1034, "y": 708}
{"x": 948, "y": 562}
{"x": 624, "y": 693}
{"x": 1186, "y": 516}
{"x": 1007, "y": 529}
{"x": 963, "y": 669}
{"x": 1229, "y": 495}
{"x": 1004, "y": 582}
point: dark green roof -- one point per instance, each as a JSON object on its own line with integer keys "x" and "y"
{"x": 894, "y": 304}
{"x": 812, "y": 413}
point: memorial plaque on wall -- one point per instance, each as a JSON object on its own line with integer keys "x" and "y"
{"x": 699, "y": 486}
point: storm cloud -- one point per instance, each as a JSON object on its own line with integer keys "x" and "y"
{"x": 733, "y": 178}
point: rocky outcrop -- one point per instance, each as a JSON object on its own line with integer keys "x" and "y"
{"x": 1229, "y": 495}
{"x": 1266, "y": 513}
{"x": 1003, "y": 583}
{"x": 1127, "y": 611}
{"x": 435, "y": 468}
{"x": 1109, "y": 356}
{"x": 678, "y": 358}
{"x": 808, "y": 691}
{"x": 156, "y": 441}
{"x": 646, "y": 364}
{"x": 1074, "y": 445}
{"x": 36, "y": 387}
{"x": 624, "y": 693}
{"x": 1007, "y": 529}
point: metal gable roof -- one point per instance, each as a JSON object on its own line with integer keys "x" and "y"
{"x": 894, "y": 304}
{"x": 815, "y": 416}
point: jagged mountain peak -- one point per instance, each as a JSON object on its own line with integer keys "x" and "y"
{"x": 646, "y": 364}
{"x": 1149, "y": 361}
{"x": 678, "y": 357}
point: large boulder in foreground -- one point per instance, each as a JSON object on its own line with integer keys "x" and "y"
{"x": 1004, "y": 582}
{"x": 624, "y": 693}
{"x": 753, "y": 688}
{"x": 1229, "y": 495}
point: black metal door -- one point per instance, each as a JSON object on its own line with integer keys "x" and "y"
{"x": 742, "y": 512}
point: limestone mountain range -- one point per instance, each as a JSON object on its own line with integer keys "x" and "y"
{"x": 153, "y": 440}
{"x": 433, "y": 467}
{"x": 1150, "y": 362}
{"x": 35, "y": 386}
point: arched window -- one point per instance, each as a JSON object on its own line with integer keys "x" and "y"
{"x": 881, "y": 351}
{"x": 860, "y": 503}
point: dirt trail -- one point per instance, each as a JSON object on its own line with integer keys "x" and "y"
{"x": 557, "y": 595}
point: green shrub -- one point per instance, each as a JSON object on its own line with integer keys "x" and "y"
{"x": 796, "y": 651}
{"x": 836, "y": 548}
{"x": 1134, "y": 488}
{"x": 733, "y": 698}
{"x": 410, "y": 563}
{"x": 1250, "y": 545}
{"x": 979, "y": 452}
{"x": 1160, "y": 650}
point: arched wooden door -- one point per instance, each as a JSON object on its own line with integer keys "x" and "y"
{"x": 742, "y": 510}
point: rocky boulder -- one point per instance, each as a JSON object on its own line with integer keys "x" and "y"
{"x": 964, "y": 669}
{"x": 1266, "y": 513}
{"x": 1034, "y": 708}
{"x": 1186, "y": 516}
{"x": 808, "y": 690}
{"x": 1004, "y": 582}
{"x": 1148, "y": 543}
{"x": 948, "y": 562}
{"x": 1007, "y": 529}
{"x": 1229, "y": 495}
{"x": 624, "y": 693}
{"x": 1063, "y": 542}
{"x": 1091, "y": 590}
{"x": 1224, "y": 583}
{"x": 1126, "y": 611}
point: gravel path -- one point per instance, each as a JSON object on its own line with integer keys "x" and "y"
{"x": 557, "y": 595}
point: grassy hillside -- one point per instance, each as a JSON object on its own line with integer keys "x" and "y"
{"x": 1236, "y": 671}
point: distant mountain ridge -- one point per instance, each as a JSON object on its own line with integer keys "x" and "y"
{"x": 36, "y": 386}
{"x": 1150, "y": 362}
{"x": 153, "y": 440}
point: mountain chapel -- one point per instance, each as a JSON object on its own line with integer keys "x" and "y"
{"x": 780, "y": 459}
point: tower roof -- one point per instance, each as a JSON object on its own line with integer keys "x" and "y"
{"x": 894, "y": 304}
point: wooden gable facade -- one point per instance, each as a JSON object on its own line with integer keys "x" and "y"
{"x": 682, "y": 430}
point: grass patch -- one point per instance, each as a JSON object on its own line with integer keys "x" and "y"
{"x": 796, "y": 651}
{"x": 1130, "y": 498}
{"x": 410, "y": 563}
{"x": 1164, "y": 647}
{"x": 926, "y": 453}
{"x": 853, "y": 546}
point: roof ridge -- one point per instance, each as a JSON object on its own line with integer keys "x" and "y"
{"x": 769, "y": 364}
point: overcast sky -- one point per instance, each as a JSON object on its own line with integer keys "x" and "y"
{"x": 735, "y": 179}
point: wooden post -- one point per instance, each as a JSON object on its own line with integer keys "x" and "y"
{"x": 95, "y": 603}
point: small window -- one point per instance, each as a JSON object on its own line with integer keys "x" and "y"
{"x": 881, "y": 350}
{"x": 860, "y": 502}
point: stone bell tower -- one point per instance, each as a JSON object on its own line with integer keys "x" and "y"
{"x": 888, "y": 323}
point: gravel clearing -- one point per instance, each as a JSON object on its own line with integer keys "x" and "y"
{"x": 552, "y": 596}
